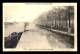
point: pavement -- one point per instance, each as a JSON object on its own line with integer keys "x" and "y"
{"x": 58, "y": 31}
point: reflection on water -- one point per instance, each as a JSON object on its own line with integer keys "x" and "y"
{"x": 56, "y": 41}
{"x": 37, "y": 37}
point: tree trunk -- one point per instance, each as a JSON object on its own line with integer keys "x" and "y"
{"x": 69, "y": 21}
{"x": 55, "y": 22}
{"x": 66, "y": 23}
{"x": 52, "y": 24}
{"x": 69, "y": 17}
{"x": 69, "y": 29}
{"x": 61, "y": 24}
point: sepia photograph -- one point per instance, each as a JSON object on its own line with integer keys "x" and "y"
{"x": 39, "y": 26}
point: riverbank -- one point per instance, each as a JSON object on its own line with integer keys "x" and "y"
{"x": 66, "y": 36}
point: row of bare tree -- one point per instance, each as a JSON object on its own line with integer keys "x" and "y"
{"x": 60, "y": 17}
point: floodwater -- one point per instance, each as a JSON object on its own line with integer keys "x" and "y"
{"x": 38, "y": 38}
{"x": 16, "y": 27}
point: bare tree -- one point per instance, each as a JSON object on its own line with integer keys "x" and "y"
{"x": 69, "y": 13}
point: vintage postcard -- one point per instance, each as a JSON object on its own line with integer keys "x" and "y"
{"x": 39, "y": 26}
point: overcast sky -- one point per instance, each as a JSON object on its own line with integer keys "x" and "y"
{"x": 22, "y": 12}
{"x": 28, "y": 12}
